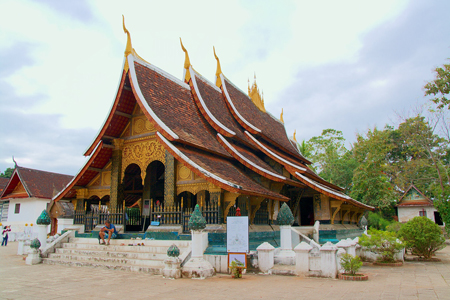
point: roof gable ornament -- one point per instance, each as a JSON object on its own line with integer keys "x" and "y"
{"x": 281, "y": 116}
{"x": 295, "y": 131}
{"x": 187, "y": 64}
{"x": 218, "y": 70}
{"x": 255, "y": 95}
{"x": 129, "y": 48}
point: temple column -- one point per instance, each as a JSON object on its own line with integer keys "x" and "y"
{"x": 169, "y": 180}
{"x": 215, "y": 198}
{"x": 116, "y": 174}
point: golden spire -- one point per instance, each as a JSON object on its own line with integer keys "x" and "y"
{"x": 248, "y": 80}
{"x": 295, "y": 131}
{"x": 255, "y": 96}
{"x": 187, "y": 63}
{"x": 281, "y": 116}
{"x": 218, "y": 71}
{"x": 129, "y": 48}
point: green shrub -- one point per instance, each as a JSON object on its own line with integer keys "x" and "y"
{"x": 422, "y": 236}
{"x": 351, "y": 264}
{"x": 376, "y": 221}
{"x": 394, "y": 227}
{"x": 384, "y": 243}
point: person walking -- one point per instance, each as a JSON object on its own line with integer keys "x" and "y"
{"x": 5, "y": 235}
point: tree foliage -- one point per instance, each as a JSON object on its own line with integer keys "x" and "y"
{"x": 440, "y": 87}
{"x": 8, "y": 173}
{"x": 351, "y": 264}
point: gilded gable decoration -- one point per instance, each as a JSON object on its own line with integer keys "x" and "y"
{"x": 106, "y": 178}
{"x": 142, "y": 125}
{"x": 142, "y": 153}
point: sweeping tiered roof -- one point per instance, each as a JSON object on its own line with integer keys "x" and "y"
{"x": 214, "y": 130}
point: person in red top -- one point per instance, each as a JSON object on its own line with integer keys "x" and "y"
{"x": 5, "y": 235}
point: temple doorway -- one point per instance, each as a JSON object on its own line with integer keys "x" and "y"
{"x": 132, "y": 190}
{"x": 154, "y": 183}
{"x": 306, "y": 211}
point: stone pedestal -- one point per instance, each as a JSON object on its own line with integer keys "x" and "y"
{"x": 197, "y": 267}
{"x": 172, "y": 268}
{"x": 302, "y": 258}
{"x": 328, "y": 260}
{"x": 352, "y": 249}
{"x": 23, "y": 246}
{"x": 343, "y": 244}
{"x": 286, "y": 256}
{"x": 33, "y": 257}
{"x": 339, "y": 254}
{"x": 265, "y": 257}
{"x": 316, "y": 231}
{"x": 42, "y": 235}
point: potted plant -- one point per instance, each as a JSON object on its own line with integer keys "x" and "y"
{"x": 383, "y": 243}
{"x": 351, "y": 264}
{"x": 236, "y": 269}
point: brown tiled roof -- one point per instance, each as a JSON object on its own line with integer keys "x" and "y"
{"x": 175, "y": 107}
{"x": 271, "y": 129}
{"x": 415, "y": 203}
{"x": 215, "y": 102}
{"x": 3, "y": 183}
{"x": 220, "y": 167}
{"x": 37, "y": 183}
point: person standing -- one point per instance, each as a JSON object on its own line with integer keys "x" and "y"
{"x": 5, "y": 235}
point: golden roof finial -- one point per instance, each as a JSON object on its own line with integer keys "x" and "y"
{"x": 218, "y": 71}
{"x": 129, "y": 48}
{"x": 295, "y": 131}
{"x": 187, "y": 63}
{"x": 248, "y": 80}
{"x": 281, "y": 116}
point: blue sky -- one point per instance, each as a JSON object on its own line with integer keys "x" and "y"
{"x": 347, "y": 65}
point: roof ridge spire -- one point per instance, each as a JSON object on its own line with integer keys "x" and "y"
{"x": 218, "y": 70}
{"x": 295, "y": 131}
{"x": 129, "y": 47}
{"x": 187, "y": 63}
{"x": 281, "y": 116}
{"x": 255, "y": 95}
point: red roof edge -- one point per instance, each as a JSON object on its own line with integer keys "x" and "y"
{"x": 75, "y": 179}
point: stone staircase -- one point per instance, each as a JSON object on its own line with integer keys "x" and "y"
{"x": 117, "y": 256}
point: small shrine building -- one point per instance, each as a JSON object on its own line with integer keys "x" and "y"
{"x": 414, "y": 203}
{"x": 169, "y": 144}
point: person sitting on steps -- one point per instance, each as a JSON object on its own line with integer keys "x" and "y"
{"x": 107, "y": 232}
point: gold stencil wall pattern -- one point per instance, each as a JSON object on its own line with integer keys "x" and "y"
{"x": 142, "y": 153}
{"x": 142, "y": 125}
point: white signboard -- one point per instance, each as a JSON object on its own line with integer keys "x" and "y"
{"x": 237, "y": 234}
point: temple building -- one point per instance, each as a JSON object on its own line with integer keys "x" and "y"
{"x": 414, "y": 203}
{"x": 169, "y": 144}
{"x": 26, "y": 194}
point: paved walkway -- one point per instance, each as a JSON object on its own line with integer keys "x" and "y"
{"x": 415, "y": 280}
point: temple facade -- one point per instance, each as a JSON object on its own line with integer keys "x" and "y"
{"x": 169, "y": 144}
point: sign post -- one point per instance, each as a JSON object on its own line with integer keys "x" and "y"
{"x": 237, "y": 240}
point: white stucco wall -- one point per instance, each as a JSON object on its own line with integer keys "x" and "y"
{"x": 30, "y": 209}
{"x": 407, "y": 213}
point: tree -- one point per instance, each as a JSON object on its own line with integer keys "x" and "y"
{"x": 371, "y": 183}
{"x": 332, "y": 161}
{"x": 8, "y": 173}
{"x": 440, "y": 87}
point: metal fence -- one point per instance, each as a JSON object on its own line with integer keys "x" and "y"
{"x": 133, "y": 220}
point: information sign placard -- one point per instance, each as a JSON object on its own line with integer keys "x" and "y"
{"x": 237, "y": 234}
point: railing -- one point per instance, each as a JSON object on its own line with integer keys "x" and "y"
{"x": 133, "y": 220}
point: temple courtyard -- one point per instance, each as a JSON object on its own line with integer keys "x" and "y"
{"x": 415, "y": 280}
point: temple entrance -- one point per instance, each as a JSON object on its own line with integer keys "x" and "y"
{"x": 132, "y": 190}
{"x": 154, "y": 183}
{"x": 306, "y": 212}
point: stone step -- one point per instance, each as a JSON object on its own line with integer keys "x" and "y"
{"x": 154, "y": 243}
{"x": 141, "y": 249}
{"x": 158, "y": 263}
{"x": 112, "y": 253}
{"x": 104, "y": 265}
